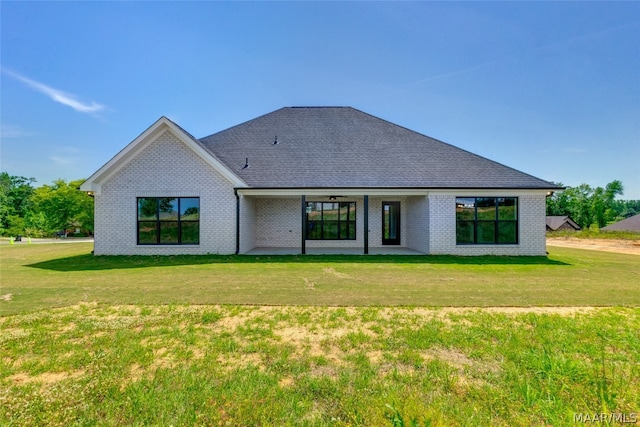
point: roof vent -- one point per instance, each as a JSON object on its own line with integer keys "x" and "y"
{"x": 275, "y": 141}
{"x": 246, "y": 164}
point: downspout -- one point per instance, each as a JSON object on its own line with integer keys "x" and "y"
{"x": 235, "y": 191}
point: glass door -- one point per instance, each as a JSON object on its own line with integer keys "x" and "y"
{"x": 390, "y": 223}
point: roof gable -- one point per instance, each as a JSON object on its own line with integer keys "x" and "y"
{"x": 344, "y": 147}
{"x": 555, "y": 222}
{"x": 94, "y": 182}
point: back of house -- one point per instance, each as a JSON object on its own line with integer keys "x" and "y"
{"x": 312, "y": 180}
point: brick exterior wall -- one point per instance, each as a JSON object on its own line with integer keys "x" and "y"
{"x": 531, "y": 225}
{"x": 277, "y": 222}
{"x": 164, "y": 168}
{"x": 418, "y": 223}
{"x": 247, "y": 224}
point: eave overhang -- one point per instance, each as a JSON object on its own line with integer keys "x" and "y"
{"x": 387, "y": 191}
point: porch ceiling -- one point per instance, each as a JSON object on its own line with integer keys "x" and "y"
{"x": 326, "y": 192}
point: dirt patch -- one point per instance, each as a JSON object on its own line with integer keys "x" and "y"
{"x": 607, "y": 245}
{"x": 455, "y": 358}
{"x": 45, "y": 377}
{"x": 561, "y": 311}
{"x": 308, "y": 283}
{"x": 6, "y": 297}
{"x": 314, "y": 343}
{"x": 332, "y": 271}
{"x": 231, "y": 363}
{"x": 286, "y": 382}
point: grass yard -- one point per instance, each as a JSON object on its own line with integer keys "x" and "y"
{"x": 181, "y": 365}
{"x": 44, "y": 276}
{"x": 326, "y": 340}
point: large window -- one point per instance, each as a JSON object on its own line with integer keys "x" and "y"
{"x": 331, "y": 221}
{"x": 168, "y": 220}
{"x": 486, "y": 220}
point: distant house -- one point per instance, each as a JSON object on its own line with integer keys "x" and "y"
{"x": 630, "y": 224}
{"x": 561, "y": 223}
{"x": 312, "y": 180}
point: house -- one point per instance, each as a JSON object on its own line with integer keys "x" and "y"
{"x": 561, "y": 223}
{"x": 312, "y": 180}
{"x": 629, "y": 224}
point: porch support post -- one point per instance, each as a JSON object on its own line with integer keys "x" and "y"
{"x": 303, "y": 209}
{"x": 366, "y": 224}
{"x": 235, "y": 190}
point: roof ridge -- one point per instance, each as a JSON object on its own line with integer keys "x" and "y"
{"x": 320, "y": 106}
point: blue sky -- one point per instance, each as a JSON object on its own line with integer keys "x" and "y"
{"x": 549, "y": 88}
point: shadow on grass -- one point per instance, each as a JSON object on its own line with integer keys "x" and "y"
{"x": 90, "y": 262}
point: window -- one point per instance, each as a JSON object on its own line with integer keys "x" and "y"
{"x": 168, "y": 220}
{"x": 486, "y": 220}
{"x": 331, "y": 221}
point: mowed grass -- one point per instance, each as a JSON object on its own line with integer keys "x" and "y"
{"x": 315, "y": 341}
{"x": 188, "y": 365}
{"x": 43, "y": 276}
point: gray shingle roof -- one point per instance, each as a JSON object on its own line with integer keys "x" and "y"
{"x": 555, "y": 222}
{"x": 345, "y": 147}
{"x": 629, "y": 224}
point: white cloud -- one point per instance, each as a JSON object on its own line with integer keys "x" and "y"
{"x": 11, "y": 131}
{"x": 58, "y": 95}
{"x": 61, "y": 161}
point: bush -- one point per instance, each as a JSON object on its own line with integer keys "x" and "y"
{"x": 16, "y": 226}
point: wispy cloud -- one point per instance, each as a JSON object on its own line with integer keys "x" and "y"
{"x": 560, "y": 44}
{"x": 11, "y": 131}
{"x": 453, "y": 73}
{"x": 57, "y": 95}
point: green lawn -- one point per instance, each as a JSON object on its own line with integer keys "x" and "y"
{"x": 56, "y": 275}
{"x": 185, "y": 365}
{"x": 317, "y": 341}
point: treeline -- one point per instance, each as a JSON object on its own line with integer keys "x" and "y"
{"x": 43, "y": 211}
{"x": 592, "y": 207}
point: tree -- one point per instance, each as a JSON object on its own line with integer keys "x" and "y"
{"x": 558, "y": 203}
{"x": 586, "y": 205}
{"x": 61, "y": 206}
{"x": 580, "y": 204}
{"x": 15, "y": 202}
{"x": 626, "y": 208}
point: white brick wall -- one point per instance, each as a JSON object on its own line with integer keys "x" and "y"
{"x": 247, "y": 223}
{"x": 278, "y": 222}
{"x": 417, "y": 223}
{"x": 165, "y": 168}
{"x": 531, "y": 224}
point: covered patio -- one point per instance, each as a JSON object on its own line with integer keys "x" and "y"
{"x": 333, "y": 251}
{"x": 319, "y": 221}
